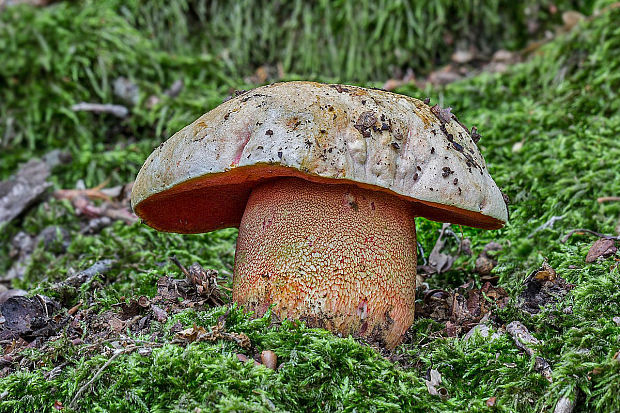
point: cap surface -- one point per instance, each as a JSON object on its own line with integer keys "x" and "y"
{"x": 200, "y": 179}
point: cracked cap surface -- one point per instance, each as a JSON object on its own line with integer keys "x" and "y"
{"x": 200, "y": 179}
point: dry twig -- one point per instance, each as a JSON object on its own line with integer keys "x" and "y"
{"x": 608, "y": 199}
{"x": 116, "y": 110}
{"x": 587, "y": 231}
{"x": 99, "y": 372}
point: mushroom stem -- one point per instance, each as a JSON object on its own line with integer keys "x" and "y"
{"x": 336, "y": 256}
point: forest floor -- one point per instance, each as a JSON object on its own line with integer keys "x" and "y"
{"x": 97, "y": 316}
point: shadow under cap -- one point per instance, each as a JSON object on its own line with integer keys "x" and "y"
{"x": 218, "y": 201}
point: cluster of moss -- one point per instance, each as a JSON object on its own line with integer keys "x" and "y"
{"x": 563, "y": 106}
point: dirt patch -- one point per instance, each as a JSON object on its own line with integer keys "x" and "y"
{"x": 543, "y": 287}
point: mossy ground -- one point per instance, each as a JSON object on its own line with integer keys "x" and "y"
{"x": 563, "y": 105}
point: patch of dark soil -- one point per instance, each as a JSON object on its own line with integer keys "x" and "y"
{"x": 543, "y": 287}
{"x": 28, "y": 318}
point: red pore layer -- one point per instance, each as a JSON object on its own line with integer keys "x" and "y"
{"x": 218, "y": 200}
{"x": 336, "y": 256}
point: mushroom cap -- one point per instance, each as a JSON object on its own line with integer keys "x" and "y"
{"x": 200, "y": 179}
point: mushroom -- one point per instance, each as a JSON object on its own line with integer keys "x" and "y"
{"x": 323, "y": 182}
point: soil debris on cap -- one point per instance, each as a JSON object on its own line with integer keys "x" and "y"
{"x": 475, "y": 136}
{"x": 365, "y": 122}
{"x": 443, "y": 114}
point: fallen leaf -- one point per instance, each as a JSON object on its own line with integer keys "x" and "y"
{"x": 244, "y": 359}
{"x": 571, "y": 18}
{"x": 462, "y": 56}
{"x": 189, "y": 335}
{"x": 444, "y": 76}
{"x": 159, "y": 314}
{"x": 439, "y": 261}
{"x": 433, "y": 382}
{"x": 198, "y": 333}
{"x": 602, "y": 248}
{"x": 269, "y": 359}
{"x": 116, "y": 324}
{"x": 491, "y": 401}
{"x": 462, "y": 309}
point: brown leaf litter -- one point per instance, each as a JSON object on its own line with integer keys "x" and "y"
{"x": 29, "y": 318}
{"x": 439, "y": 260}
{"x": 463, "y": 308}
{"x": 113, "y": 202}
{"x": 486, "y": 261}
{"x": 602, "y": 248}
{"x": 204, "y": 281}
{"x": 36, "y": 322}
{"x": 217, "y": 332}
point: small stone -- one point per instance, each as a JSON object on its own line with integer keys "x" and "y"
{"x": 145, "y": 351}
{"x": 482, "y": 329}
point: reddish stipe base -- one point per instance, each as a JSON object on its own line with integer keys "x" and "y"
{"x": 336, "y": 256}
